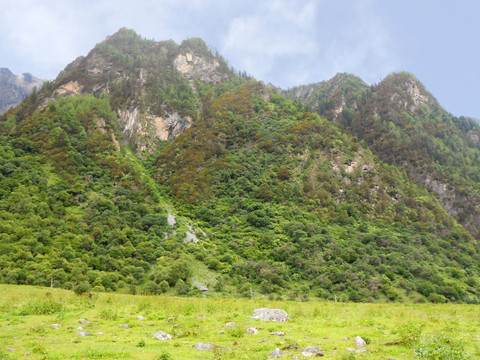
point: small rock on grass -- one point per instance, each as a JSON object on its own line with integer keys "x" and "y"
{"x": 55, "y": 326}
{"x": 230, "y": 325}
{"x": 124, "y": 326}
{"x": 11, "y": 349}
{"x": 277, "y": 353}
{"x": 278, "y": 333}
{"x": 201, "y": 346}
{"x": 140, "y": 317}
{"x": 83, "y": 333}
{"x": 84, "y": 322}
{"x": 162, "y": 336}
{"x": 310, "y": 351}
{"x": 359, "y": 342}
{"x": 251, "y": 331}
{"x": 270, "y": 314}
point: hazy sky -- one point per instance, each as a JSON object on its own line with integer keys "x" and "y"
{"x": 285, "y": 42}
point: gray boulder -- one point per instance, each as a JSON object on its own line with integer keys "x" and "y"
{"x": 201, "y": 346}
{"x": 84, "y": 322}
{"x": 230, "y": 325}
{"x": 277, "y": 353}
{"x": 359, "y": 342}
{"x": 162, "y": 336}
{"x": 310, "y": 351}
{"x": 270, "y": 314}
{"x": 83, "y": 333}
{"x": 251, "y": 331}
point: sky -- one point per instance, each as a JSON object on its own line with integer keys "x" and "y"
{"x": 283, "y": 42}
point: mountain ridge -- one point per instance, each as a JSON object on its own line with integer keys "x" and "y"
{"x": 276, "y": 198}
{"x": 14, "y": 88}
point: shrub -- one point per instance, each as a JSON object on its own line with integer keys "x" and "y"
{"x": 181, "y": 288}
{"x": 442, "y": 347}
{"x": 163, "y": 287}
{"x": 410, "y": 333}
{"x": 45, "y": 307}
{"x": 437, "y": 298}
{"x": 82, "y": 288}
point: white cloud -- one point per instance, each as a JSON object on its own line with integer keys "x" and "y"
{"x": 281, "y": 41}
{"x": 291, "y": 42}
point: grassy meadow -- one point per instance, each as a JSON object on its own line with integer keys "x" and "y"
{"x": 392, "y": 331}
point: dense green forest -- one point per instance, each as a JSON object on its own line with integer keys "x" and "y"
{"x": 282, "y": 201}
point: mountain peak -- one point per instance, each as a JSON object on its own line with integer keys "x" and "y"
{"x": 407, "y": 90}
{"x": 5, "y": 72}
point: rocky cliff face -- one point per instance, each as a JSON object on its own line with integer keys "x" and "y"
{"x": 152, "y": 84}
{"x": 14, "y": 88}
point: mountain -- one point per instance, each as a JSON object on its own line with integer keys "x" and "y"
{"x": 155, "y": 86}
{"x": 404, "y": 125}
{"x": 14, "y": 88}
{"x": 151, "y": 166}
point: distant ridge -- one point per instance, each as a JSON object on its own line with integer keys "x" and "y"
{"x": 15, "y": 88}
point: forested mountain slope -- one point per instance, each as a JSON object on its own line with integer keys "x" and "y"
{"x": 268, "y": 197}
{"x": 404, "y": 125}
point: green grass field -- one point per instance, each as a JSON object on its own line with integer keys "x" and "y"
{"x": 413, "y": 330}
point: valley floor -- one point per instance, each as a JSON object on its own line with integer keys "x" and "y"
{"x": 123, "y": 327}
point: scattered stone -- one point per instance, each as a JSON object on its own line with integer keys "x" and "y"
{"x": 124, "y": 326}
{"x": 251, "y": 331}
{"x": 310, "y": 351}
{"x": 100, "y": 333}
{"x": 203, "y": 288}
{"x": 140, "y": 317}
{"x": 357, "y": 351}
{"x": 201, "y": 317}
{"x": 170, "y": 319}
{"x": 80, "y": 328}
{"x": 345, "y": 339}
{"x": 393, "y": 343}
{"x": 359, "y": 342}
{"x": 11, "y": 349}
{"x": 221, "y": 332}
{"x": 200, "y": 346}
{"x": 270, "y": 314}
{"x": 55, "y": 326}
{"x": 277, "y": 353}
{"x": 293, "y": 346}
{"x": 84, "y": 322}
{"x": 83, "y": 333}
{"x": 277, "y": 333}
{"x": 230, "y": 325}
{"x": 142, "y": 325}
{"x": 162, "y": 336}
